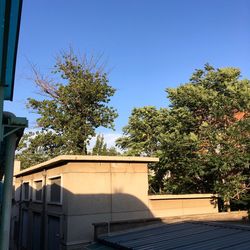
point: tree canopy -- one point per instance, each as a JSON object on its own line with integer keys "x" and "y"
{"x": 202, "y": 138}
{"x": 73, "y": 109}
{"x": 141, "y": 135}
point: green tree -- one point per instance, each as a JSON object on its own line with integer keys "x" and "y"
{"x": 142, "y": 134}
{"x": 100, "y": 148}
{"x": 219, "y": 154}
{"x": 143, "y": 137}
{"x": 71, "y": 112}
{"x": 202, "y": 143}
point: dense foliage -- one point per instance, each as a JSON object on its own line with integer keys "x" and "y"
{"x": 71, "y": 112}
{"x": 202, "y": 139}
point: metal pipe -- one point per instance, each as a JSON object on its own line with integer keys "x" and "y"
{"x": 7, "y": 191}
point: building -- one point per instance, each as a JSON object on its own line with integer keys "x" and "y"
{"x": 56, "y": 202}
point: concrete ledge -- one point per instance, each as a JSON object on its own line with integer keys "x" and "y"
{"x": 225, "y": 216}
{"x": 85, "y": 158}
{"x": 116, "y": 226}
{"x": 181, "y": 196}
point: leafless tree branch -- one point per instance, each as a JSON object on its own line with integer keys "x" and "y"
{"x": 46, "y": 85}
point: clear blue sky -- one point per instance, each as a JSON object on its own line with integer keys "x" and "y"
{"x": 149, "y": 44}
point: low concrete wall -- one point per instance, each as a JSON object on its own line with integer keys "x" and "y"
{"x": 225, "y": 217}
{"x": 186, "y": 204}
{"x": 116, "y": 226}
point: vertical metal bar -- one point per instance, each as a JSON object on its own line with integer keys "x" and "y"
{"x": 44, "y": 211}
{"x": 1, "y": 114}
{"x": 20, "y": 216}
{"x": 7, "y": 191}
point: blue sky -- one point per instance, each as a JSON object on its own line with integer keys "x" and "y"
{"x": 149, "y": 45}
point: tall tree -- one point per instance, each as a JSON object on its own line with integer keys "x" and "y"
{"x": 72, "y": 110}
{"x": 220, "y": 159}
{"x": 204, "y": 139}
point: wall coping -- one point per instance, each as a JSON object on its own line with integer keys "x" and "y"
{"x": 84, "y": 158}
{"x": 181, "y": 196}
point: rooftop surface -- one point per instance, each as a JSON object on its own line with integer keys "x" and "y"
{"x": 185, "y": 235}
{"x": 85, "y": 158}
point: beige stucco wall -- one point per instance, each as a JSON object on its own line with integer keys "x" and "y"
{"x": 178, "y": 205}
{"x": 99, "y": 192}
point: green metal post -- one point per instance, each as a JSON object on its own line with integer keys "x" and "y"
{"x": 7, "y": 191}
{"x": 1, "y": 114}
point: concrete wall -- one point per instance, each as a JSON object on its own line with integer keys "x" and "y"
{"x": 103, "y": 192}
{"x": 178, "y": 205}
{"x": 44, "y": 208}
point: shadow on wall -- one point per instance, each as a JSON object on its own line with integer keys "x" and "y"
{"x": 51, "y": 217}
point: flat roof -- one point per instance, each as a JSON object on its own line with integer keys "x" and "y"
{"x": 84, "y": 158}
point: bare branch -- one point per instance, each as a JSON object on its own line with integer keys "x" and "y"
{"x": 242, "y": 191}
{"x": 46, "y": 85}
{"x": 92, "y": 63}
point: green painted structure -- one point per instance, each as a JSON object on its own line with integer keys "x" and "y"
{"x": 11, "y": 127}
{"x": 10, "y": 15}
